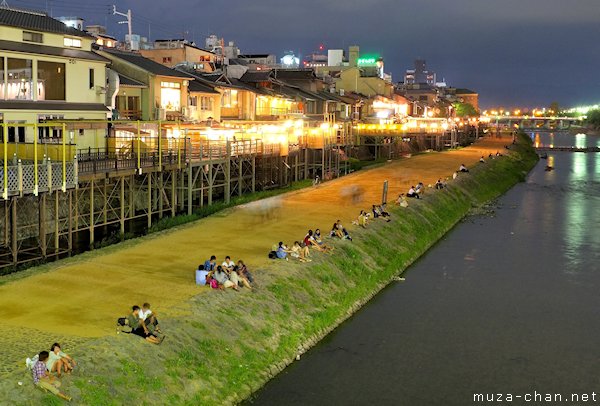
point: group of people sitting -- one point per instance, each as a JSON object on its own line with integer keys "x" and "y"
{"x": 143, "y": 323}
{"x": 312, "y": 240}
{"x": 46, "y": 364}
{"x": 228, "y": 275}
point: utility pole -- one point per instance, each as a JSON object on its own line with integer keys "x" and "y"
{"x": 4, "y": 4}
{"x": 128, "y": 22}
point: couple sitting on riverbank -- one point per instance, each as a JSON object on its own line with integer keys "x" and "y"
{"x": 228, "y": 275}
{"x": 416, "y": 192}
{"x": 296, "y": 251}
{"x": 379, "y": 212}
{"x": 46, "y": 363}
{"x": 314, "y": 240}
{"x": 143, "y": 323}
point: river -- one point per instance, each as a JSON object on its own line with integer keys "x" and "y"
{"x": 505, "y": 304}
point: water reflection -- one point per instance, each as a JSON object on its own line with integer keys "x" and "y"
{"x": 580, "y": 206}
{"x": 563, "y": 139}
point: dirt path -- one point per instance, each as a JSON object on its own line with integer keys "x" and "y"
{"x": 83, "y": 296}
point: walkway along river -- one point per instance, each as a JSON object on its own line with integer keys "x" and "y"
{"x": 506, "y": 304}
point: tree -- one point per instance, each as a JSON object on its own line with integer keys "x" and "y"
{"x": 593, "y": 119}
{"x": 465, "y": 110}
{"x": 554, "y": 108}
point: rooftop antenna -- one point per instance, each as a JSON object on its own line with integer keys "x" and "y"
{"x": 4, "y": 4}
{"x": 128, "y": 22}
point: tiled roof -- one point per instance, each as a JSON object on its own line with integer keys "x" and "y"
{"x": 47, "y": 50}
{"x": 465, "y": 91}
{"x": 295, "y": 74}
{"x": 197, "y": 86}
{"x": 127, "y": 81}
{"x": 147, "y": 64}
{"x": 37, "y": 21}
{"x": 256, "y": 76}
{"x": 50, "y": 106}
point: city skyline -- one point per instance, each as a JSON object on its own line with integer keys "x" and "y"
{"x": 512, "y": 53}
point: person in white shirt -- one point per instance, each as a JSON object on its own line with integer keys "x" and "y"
{"x": 149, "y": 318}
{"x": 412, "y": 193}
{"x": 228, "y": 264}
{"x": 463, "y": 168}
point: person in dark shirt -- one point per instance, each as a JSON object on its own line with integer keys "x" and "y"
{"x": 139, "y": 328}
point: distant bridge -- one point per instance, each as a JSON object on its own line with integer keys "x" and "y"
{"x": 568, "y": 149}
{"x": 535, "y": 123}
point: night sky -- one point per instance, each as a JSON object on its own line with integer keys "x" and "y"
{"x": 513, "y": 52}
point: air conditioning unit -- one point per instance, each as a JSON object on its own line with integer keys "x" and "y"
{"x": 100, "y": 90}
{"x": 161, "y": 114}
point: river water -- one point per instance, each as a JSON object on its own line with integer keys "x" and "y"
{"x": 507, "y": 304}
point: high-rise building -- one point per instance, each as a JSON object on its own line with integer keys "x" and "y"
{"x": 420, "y": 74}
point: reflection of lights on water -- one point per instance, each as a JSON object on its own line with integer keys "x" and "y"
{"x": 537, "y": 140}
{"x": 580, "y": 140}
{"x": 551, "y": 140}
{"x": 551, "y": 161}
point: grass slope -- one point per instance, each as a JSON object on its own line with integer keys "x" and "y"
{"x": 224, "y": 346}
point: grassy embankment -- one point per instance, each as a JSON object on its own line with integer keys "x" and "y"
{"x": 225, "y": 346}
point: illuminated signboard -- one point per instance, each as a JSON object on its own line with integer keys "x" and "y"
{"x": 367, "y": 61}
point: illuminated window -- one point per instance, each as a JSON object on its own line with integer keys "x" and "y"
{"x": 29, "y": 36}
{"x": 206, "y": 103}
{"x": 72, "y": 42}
{"x": 172, "y": 85}
{"x": 20, "y": 79}
{"x": 170, "y": 96}
{"x": 229, "y": 98}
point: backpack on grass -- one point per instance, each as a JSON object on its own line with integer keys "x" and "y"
{"x": 123, "y": 325}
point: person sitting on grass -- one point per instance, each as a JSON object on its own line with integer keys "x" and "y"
{"x": 376, "y": 212}
{"x": 482, "y": 160}
{"x": 362, "y": 219}
{"x": 413, "y": 193}
{"x": 244, "y": 272}
{"x": 342, "y": 232}
{"x": 401, "y": 201}
{"x": 439, "y": 184}
{"x": 316, "y": 242}
{"x": 59, "y": 361}
{"x": 138, "y": 327}
{"x": 238, "y": 279}
{"x": 420, "y": 188}
{"x": 42, "y": 378}
{"x": 335, "y": 232}
{"x": 210, "y": 264}
{"x": 149, "y": 318}
{"x": 299, "y": 252}
{"x": 228, "y": 264}
{"x": 309, "y": 241}
{"x": 383, "y": 212}
{"x": 223, "y": 279}
{"x": 463, "y": 168}
{"x": 282, "y": 251}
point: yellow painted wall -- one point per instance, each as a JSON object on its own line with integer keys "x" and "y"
{"x": 203, "y": 115}
{"x": 50, "y": 39}
{"x": 351, "y": 81}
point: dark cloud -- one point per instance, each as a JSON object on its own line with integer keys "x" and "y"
{"x": 514, "y": 52}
